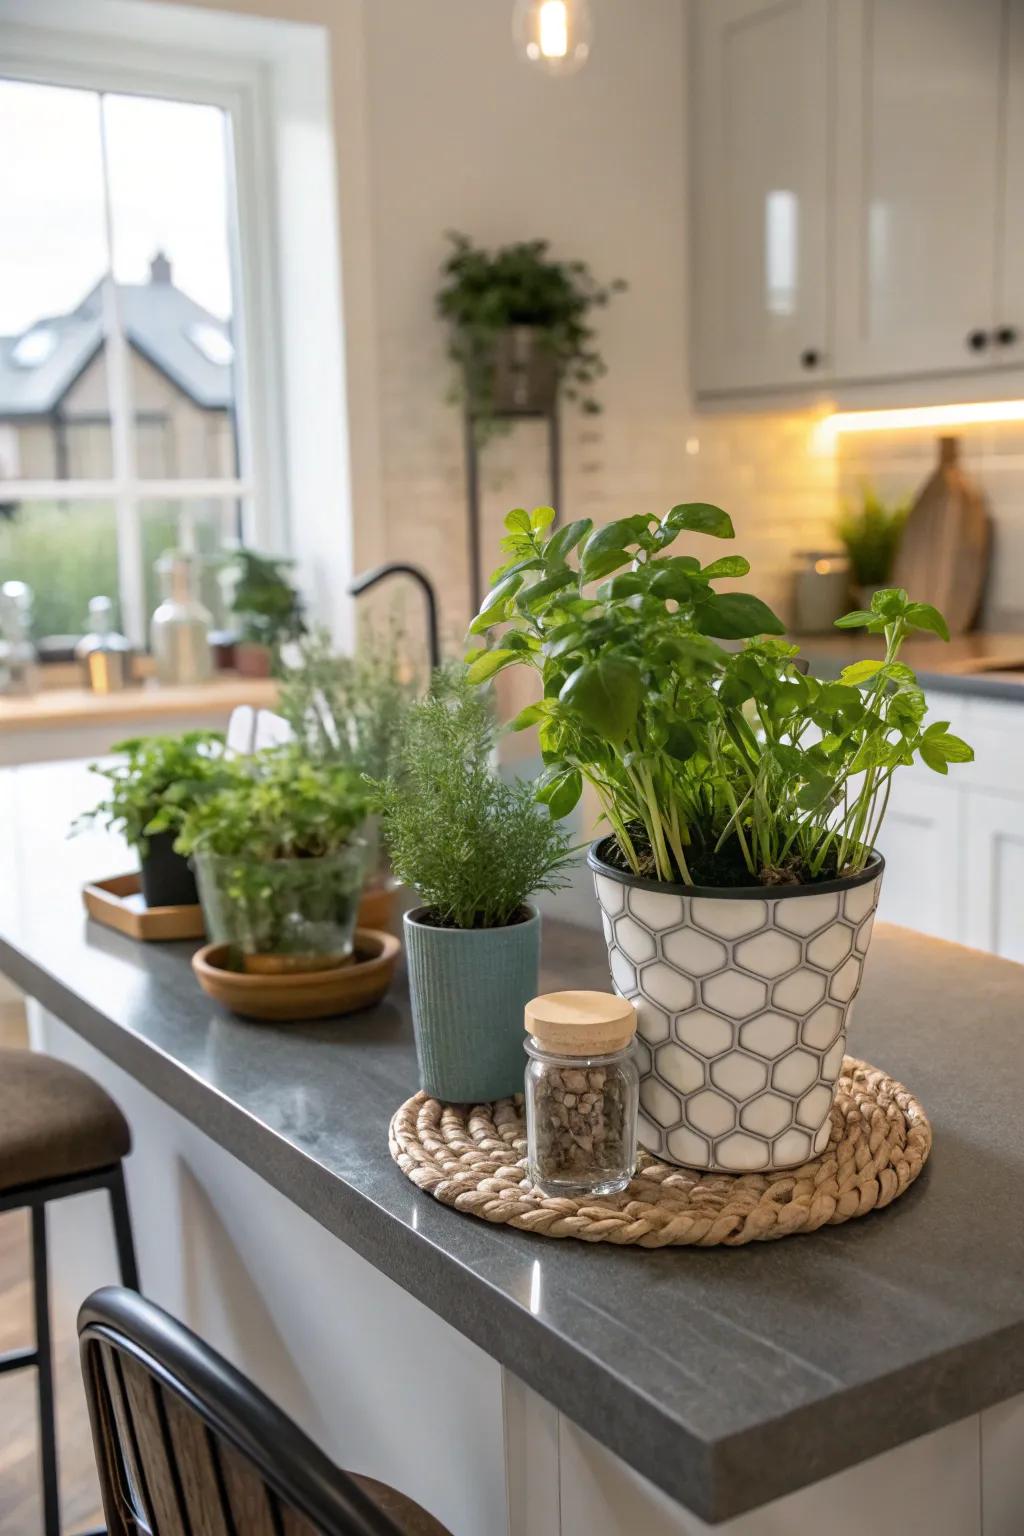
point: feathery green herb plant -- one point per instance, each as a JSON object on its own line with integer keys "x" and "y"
{"x": 348, "y": 709}
{"x": 473, "y": 846}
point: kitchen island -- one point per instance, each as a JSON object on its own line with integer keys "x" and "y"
{"x": 516, "y": 1384}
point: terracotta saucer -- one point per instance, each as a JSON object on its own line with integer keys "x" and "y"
{"x": 315, "y": 995}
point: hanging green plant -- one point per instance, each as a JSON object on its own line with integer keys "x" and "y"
{"x": 520, "y": 329}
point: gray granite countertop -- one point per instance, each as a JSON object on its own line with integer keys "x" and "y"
{"x": 726, "y": 1376}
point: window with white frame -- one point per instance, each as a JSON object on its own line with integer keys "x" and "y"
{"x": 126, "y": 420}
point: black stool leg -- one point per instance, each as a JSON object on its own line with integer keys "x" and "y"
{"x": 123, "y": 1230}
{"x": 47, "y": 1426}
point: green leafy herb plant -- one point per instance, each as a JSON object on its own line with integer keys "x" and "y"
{"x": 484, "y": 293}
{"x": 871, "y": 533}
{"x": 713, "y": 766}
{"x": 156, "y": 783}
{"x": 267, "y": 606}
{"x": 473, "y": 846}
{"x": 279, "y": 859}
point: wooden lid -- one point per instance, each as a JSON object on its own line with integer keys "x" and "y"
{"x": 581, "y": 1023}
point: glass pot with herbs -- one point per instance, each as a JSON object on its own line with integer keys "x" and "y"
{"x": 279, "y": 862}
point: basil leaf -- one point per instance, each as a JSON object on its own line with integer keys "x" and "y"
{"x": 564, "y": 540}
{"x": 860, "y": 672}
{"x": 518, "y": 520}
{"x": 496, "y": 604}
{"x": 924, "y": 616}
{"x": 487, "y": 663}
{"x": 700, "y": 517}
{"x": 856, "y": 620}
{"x": 729, "y": 565}
{"x": 561, "y": 795}
{"x": 737, "y": 616}
{"x": 606, "y": 695}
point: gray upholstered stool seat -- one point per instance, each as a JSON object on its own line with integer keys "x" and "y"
{"x": 55, "y": 1123}
{"x": 60, "y": 1134}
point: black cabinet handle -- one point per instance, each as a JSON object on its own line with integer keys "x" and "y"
{"x": 1006, "y": 335}
{"x": 977, "y": 340}
{"x": 810, "y": 358}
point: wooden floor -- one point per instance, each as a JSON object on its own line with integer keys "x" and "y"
{"x": 19, "y": 1475}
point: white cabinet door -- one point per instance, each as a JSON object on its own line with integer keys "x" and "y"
{"x": 760, "y": 179}
{"x": 919, "y": 98}
{"x": 994, "y": 874}
{"x": 1009, "y": 315}
{"x": 922, "y": 840}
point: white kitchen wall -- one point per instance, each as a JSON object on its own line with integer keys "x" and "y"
{"x": 439, "y": 125}
{"x": 465, "y": 136}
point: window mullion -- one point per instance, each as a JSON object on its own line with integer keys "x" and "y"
{"x": 122, "y": 435}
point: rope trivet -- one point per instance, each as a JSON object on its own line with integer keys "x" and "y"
{"x": 474, "y": 1158}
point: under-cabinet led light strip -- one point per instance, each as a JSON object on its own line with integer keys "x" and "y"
{"x": 900, "y": 419}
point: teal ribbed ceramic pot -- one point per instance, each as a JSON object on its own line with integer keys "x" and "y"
{"x": 469, "y": 987}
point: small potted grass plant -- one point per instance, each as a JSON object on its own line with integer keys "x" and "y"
{"x": 475, "y": 849}
{"x": 871, "y": 533}
{"x": 740, "y": 876}
{"x": 280, "y": 862}
{"x": 157, "y": 781}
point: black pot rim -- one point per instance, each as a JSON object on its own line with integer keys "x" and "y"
{"x": 873, "y": 868}
{"x": 412, "y": 918}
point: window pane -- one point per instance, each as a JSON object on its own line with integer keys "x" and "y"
{"x": 170, "y": 205}
{"x": 54, "y": 411}
{"x": 208, "y": 527}
{"x": 66, "y": 552}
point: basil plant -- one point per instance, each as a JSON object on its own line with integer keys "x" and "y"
{"x": 714, "y": 764}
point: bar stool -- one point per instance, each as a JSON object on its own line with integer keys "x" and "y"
{"x": 185, "y": 1443}
{"x": 60, "y": 1134}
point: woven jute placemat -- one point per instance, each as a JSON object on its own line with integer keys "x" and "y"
{"x": 473, "y": 1157}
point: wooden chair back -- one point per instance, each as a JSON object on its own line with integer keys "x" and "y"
{"x": 187, "y": 1446}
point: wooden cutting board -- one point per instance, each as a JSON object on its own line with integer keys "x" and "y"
{"x": 944, "y": 553}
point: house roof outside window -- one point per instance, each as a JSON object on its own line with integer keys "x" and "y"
{"x": 189, "y": 345}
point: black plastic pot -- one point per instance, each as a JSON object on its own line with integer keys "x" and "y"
{"x": 167, "y": 880}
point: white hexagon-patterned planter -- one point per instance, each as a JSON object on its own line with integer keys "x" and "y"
{"x": 743, "y": 1001}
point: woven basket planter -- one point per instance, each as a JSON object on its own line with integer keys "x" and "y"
{"x": 743, "y": 1000}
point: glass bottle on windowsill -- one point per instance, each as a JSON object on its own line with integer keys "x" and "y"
{"x": 104, "y": 656}
{"x": 180, "y": 629}
{"x": 19, "y": 660}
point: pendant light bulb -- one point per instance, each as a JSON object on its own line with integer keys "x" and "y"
{"x": 554, "y": 35}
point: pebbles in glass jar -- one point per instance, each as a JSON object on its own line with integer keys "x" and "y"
{"x": 582, "y": 1091}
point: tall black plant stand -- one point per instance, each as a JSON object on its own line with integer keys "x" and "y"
{"x": 473, "y": 482}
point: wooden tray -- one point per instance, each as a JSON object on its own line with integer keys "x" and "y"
{"x": 118, "y": 902}
{"x": 287, "y": 999}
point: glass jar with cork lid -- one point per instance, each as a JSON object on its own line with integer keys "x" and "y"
{"x": 582, "y": 1091}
